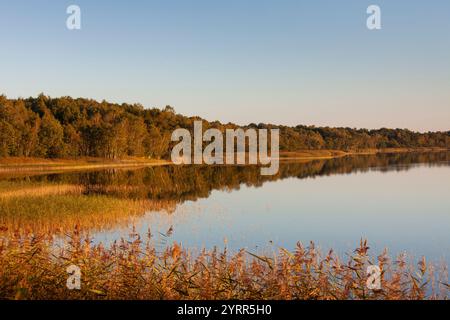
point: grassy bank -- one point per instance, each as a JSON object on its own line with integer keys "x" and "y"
{"x": 31, "y": 269}
{"x": 59, "y": 213}
{"x": 330, "y": 154}
{"x": 57, "y": 207}
{"x": 13, "y": 165}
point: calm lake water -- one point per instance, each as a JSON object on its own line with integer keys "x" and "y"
{"x": 397, "y": 201}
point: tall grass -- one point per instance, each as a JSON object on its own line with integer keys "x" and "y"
{"x": 57, "y": 207}
{"x": 32, "y": 268}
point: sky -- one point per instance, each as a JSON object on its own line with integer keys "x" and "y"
{"x": 282, "y": 62}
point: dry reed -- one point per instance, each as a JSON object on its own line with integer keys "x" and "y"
{"x": 32, "y": 268}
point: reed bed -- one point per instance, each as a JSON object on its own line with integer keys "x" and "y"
{"x": 41, "y": 191}
{"x": 31, "y": 267}
{"x": 58, "y": 215}
{"x": 56, "y": 208}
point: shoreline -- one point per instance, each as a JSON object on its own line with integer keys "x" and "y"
{"x": 14, "y": 164}
{"x": 332, "y": 154}
{"x": 27, "y": 165}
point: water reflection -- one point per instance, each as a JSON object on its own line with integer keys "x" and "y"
{"x": 182, "y": 183}
{"x": 390, "y": 204}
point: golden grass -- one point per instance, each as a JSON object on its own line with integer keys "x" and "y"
{"x": 30, "y": 268}
{"x": 18, "y": 161}
{"x": 41, "y": 191}
{"x": 60, "y": 213}
{"x": 56, "y": 208}
{"x": 312, "y": 154}
{"x": 15, "y": 165}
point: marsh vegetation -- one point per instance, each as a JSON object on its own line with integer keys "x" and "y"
{"x": 132, "y": 269}
{"x": 50, "y": 221}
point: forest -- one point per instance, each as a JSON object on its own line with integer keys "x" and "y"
{"x": 65, "y": 127}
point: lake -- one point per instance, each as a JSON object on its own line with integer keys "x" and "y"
{"x": 397, "y": 201}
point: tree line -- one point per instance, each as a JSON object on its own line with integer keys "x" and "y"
{"x": 67, "y": 127}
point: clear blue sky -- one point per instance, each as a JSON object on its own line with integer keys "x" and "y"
{"x": 284, "y": 62}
